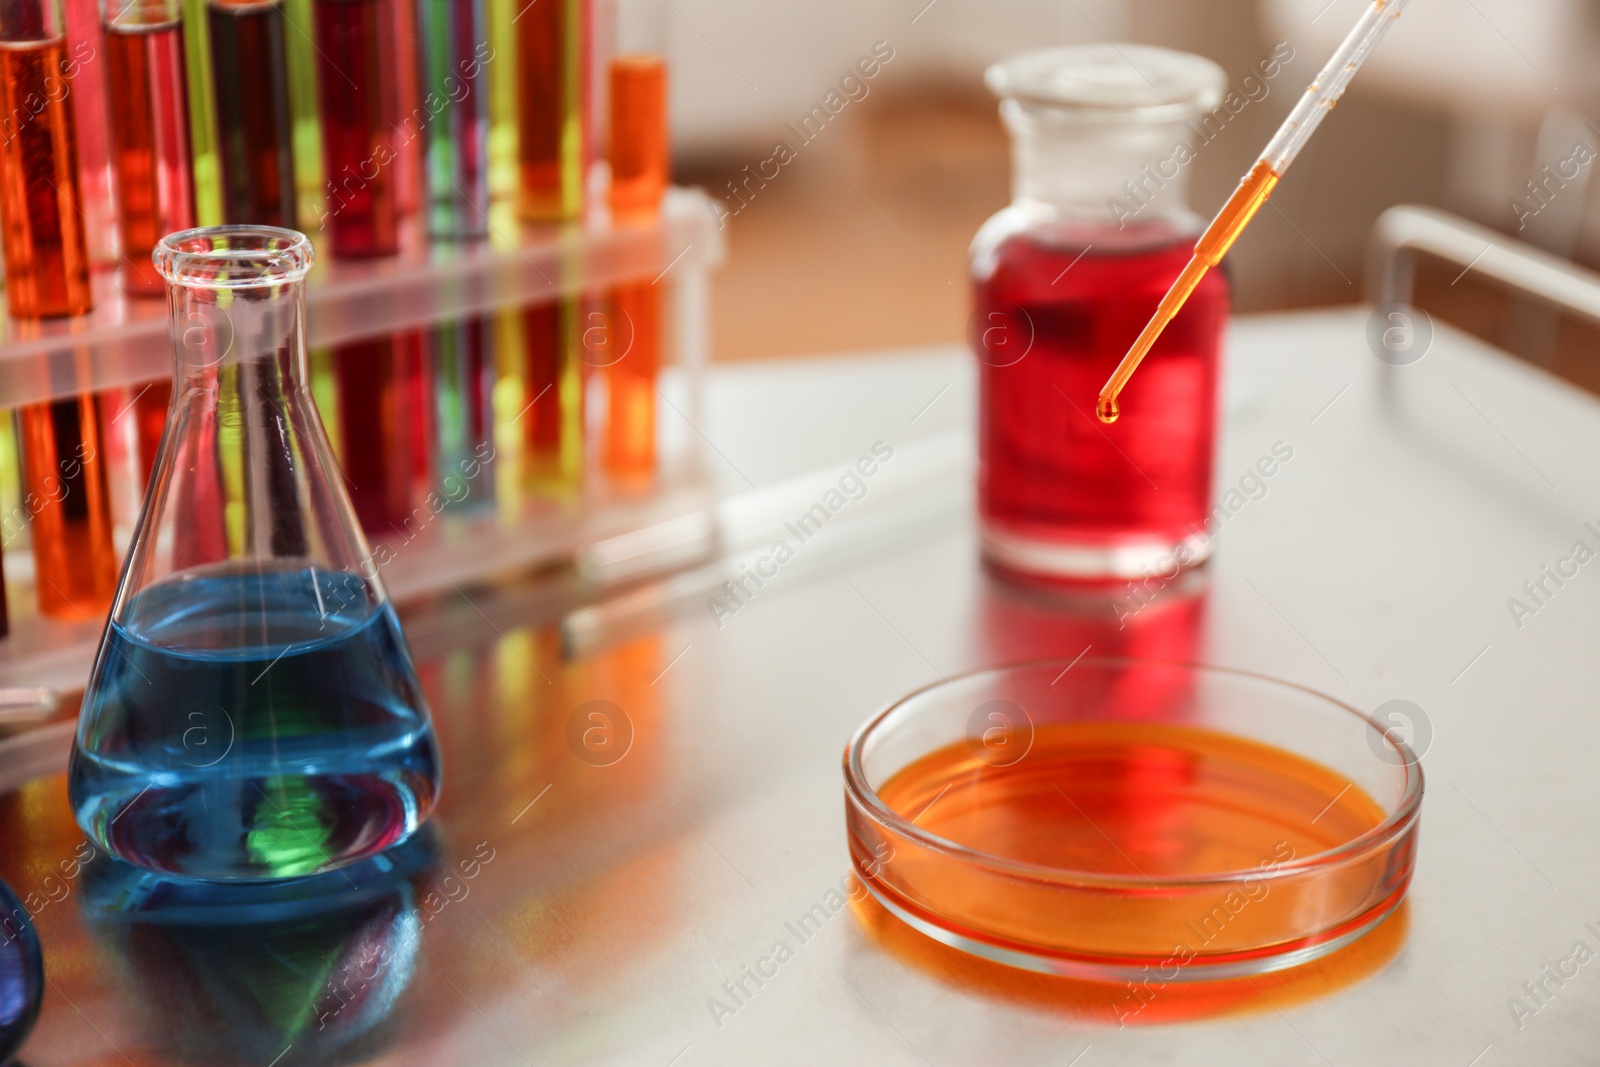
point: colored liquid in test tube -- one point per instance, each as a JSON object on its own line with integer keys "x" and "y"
{"x": 357, "y": 83}
{"x": 640, "y": 157}
{"x": 639, "y": 150}
{"x": 92, "y": 126}
{"x": 302, "y": 60}
{"x": 454, "y": 39}
{"x": 553, "y": 117}
{"x": 462, "y": 396}
{"x": 379, "y": 390}
{"x": 501, "y": 79}
{"x": 46, "y": 259}
{"x": 64, "y": 475}
{"x": 405, "y": 107}
{"x": 47, "y": 274}
{"x": 552, "y": 418}
{"x": 251, "y": 92}
{"x": 455, "y": 43}
{"x": 206, "y": 168}
{"x": 629, "y": 444}
{"x": 150, "y": 420}
{"x": 149, "y": 131}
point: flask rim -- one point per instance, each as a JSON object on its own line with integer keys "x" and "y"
{"x": 234, "y": 256}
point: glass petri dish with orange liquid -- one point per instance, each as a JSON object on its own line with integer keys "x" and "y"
{"x": 1114, "y": 819}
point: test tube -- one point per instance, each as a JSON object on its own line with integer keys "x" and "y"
{"x": 376, "y": 423}
{"x": 454, "y": 39}
{"x": 47, "y": 274}
{"x": 250, "y": 80}
{"x": 629, "y": 446}
{"x": 64, "y": 477}
{"x": 356, "y": 80}
{"x": 85, "y": 44}
{"x": 13, "y": 518}
{"x": 206, "y": 166}
{"x": 149, "y": 131}
{"x": 553, "y": 386}
{"x": 553, "y": 118}
{"x": 150, "y": 421}
{"x": 463, "y": 410}
{"x": 639, "y": 156}
{"x": 502, "y": 85}
{"x": 358, "y": 89}
{"x": 637, "y": 82}
{"x": 455, "y": 46}
{"x": 406, "y": 106}
{"x": 301, "y": 60}
{"x": 47, "y": 263}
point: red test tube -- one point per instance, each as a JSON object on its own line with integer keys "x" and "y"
{"x": 149, "y": 131}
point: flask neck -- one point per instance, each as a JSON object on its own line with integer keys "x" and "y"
{"x": 258, "y": 329}
{"x": 236, "y": 297}
{"x": 1125, "y": 173}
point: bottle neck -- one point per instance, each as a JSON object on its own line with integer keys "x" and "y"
{"x": 1125, "y": 173}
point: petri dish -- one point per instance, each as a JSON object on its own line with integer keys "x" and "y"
{"x": 1114, "y": 818}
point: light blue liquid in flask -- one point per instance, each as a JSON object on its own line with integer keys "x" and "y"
{"x": 253, "y": 711}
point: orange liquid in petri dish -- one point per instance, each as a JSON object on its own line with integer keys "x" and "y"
{"x": 1135, "y": 800}
{"x": 638, "y": 132}
{"x": 1208, "y": 252}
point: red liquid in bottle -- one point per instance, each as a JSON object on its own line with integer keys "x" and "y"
{"x": 1060, "y": 493}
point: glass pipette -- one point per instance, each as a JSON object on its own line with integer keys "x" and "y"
{"x": 1319, "y": 98}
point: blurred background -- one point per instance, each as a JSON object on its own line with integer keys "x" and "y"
{"x": 1475, "y": 106}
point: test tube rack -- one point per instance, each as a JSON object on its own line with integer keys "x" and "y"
{"x": 610, "y": 532}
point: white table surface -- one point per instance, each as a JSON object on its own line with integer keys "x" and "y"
{"x": 1377, "y": 567}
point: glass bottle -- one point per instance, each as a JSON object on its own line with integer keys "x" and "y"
{"x": 1063, "y": 281}
{"x": 253, "y": 712}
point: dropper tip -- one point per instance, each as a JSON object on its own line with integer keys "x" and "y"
{"x": 1106, "y": 408}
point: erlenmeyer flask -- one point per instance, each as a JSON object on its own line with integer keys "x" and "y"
{"x": 253, "y": 712}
